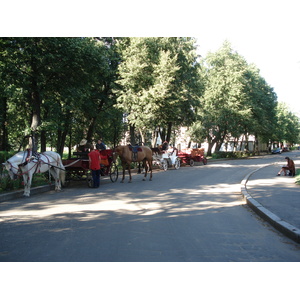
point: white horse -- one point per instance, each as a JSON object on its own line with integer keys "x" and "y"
{"x": 24, "y": 163}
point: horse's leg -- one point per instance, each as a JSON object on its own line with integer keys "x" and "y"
{"x": 146, "y": 169}
{"x": 129, "y": 171}
{"x": 124, "y": 168}
{"x": 150, "y": 169}
{"x": 27, "y": 184}
{"x": 55, "y": 173}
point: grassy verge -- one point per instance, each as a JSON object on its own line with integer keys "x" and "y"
{"x": 297, "y": 177}
{"x": 8, "y": 185}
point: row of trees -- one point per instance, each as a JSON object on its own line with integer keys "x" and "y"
{"x": 66, "y": 89}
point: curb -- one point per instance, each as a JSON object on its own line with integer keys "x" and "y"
{"x": 19, "y": 194}
{"x": 284, "y": 227}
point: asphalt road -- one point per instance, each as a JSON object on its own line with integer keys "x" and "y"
{"x": 194, "y": 214}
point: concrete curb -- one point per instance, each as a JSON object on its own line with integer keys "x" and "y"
{"x": 287, "y": 229}
{"x": 19, "y": 194}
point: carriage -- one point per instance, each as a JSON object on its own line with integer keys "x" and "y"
{"x": 165, "y": 160}
{"x": 190, "y": 156}
{"x": 77, "y": 168}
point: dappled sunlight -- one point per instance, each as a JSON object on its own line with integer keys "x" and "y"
{"x": 147, "y": 203}
{"x": 211, "y": 189}
{"x": 283, "y": 181}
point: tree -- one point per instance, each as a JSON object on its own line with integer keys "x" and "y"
{"x": 158, "y": 80}
{"x": 287, "y": 125}
{"x": 223, "y": 103}
{"x": 58, "y": 83}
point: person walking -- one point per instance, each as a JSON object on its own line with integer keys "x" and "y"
{"x": 94, "y": 165}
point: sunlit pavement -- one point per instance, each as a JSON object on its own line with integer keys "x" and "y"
{"x": 190, "y": 214}
{"x": 275, "y": 198}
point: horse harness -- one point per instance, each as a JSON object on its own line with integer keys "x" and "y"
{"x": 135, "y": 149}
{"x": 35, "y": 156}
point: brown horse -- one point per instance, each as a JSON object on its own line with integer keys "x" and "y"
{"x": 130, "y": 154}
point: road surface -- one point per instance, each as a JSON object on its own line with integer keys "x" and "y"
{"x": 194, "y": 214}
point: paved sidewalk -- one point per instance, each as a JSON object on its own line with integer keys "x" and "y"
{"x": 275, "y": 198}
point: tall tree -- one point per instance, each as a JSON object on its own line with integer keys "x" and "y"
{"x": 159, "y": 82}
{"x": 224, "y": 99}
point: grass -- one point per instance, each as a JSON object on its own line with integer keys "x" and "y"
{"x": 297, "y": 177}
{"x": 8, "y": 185}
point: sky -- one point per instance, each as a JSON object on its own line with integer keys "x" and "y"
{"x": 264, "y": 32}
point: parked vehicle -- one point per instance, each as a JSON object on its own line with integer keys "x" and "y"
{"x": 277, "y": 151}
{"x": 77, "y": 168}
{"x": 190, "y": 156}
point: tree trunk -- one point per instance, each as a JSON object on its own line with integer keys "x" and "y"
{"x": 4, "y": 134}
{"x": 91, "y": 129}
{"x": 43, "y": 141}
{"x": 35, "y": 100}
{"x": 154, "y": 138}
{"x": 169, "y": 131}
{"x": 142, "y": 137}
{"x": 132, "y": 134}
{"x": 210, "y": 146}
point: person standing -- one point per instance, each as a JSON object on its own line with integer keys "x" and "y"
{"x": 94, "y": 165}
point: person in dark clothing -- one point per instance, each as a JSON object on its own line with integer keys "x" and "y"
{"x": 289, "y": 167}
{"x": 100, "y": 145}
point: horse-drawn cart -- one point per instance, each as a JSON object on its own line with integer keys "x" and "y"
{"x": 190, "y": 156}
{"x": 77, "y": 168}
{"x": 166, "y": 159}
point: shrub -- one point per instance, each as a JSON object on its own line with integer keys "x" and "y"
{"x": 237, "y": 154}
{"x": 5, "y": 155}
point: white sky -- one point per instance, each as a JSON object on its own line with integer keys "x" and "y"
{"x": 265, "y": 32}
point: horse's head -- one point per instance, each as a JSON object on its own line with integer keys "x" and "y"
{"x": 10, "y": 169}
{"x": 118, "y": 151}
{"x": 11, "y": 165}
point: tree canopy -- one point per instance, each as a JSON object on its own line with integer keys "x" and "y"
{"x": 64, "y": 89}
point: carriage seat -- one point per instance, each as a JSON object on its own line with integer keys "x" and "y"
{"x": 82, "y": 155}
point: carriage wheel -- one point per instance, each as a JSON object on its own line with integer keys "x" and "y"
{"x": 89, "y": 179}
{"x": 113, "y": 172}
{"x": 204, "y": 160}
{"x": 164, "y": 165}
{"x": 177, "y": 163}
{"x": 192, "y": 163}
{"x": 68, "y": 179}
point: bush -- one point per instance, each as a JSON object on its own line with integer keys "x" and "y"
{"x": 6, "y": 184}
{"x": 5, "y": 155}
{"x": 237, "y": 154}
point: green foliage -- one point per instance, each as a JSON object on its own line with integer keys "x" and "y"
{"x": 297, "y": 177}
{"x": 57, "y": 87}
{"x": 6, "y": 184}
{"x": 287, "y": 127}
{"x": 66, "y": 89}
{"x": 235, "y": 154}
{"x": 237, "y": 100}
{"x": 159, "y": 83}
{"x": 5, "y": 155}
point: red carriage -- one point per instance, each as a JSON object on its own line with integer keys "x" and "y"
{"x": 190, "y": 156}
{"x": 77, "y": 168}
